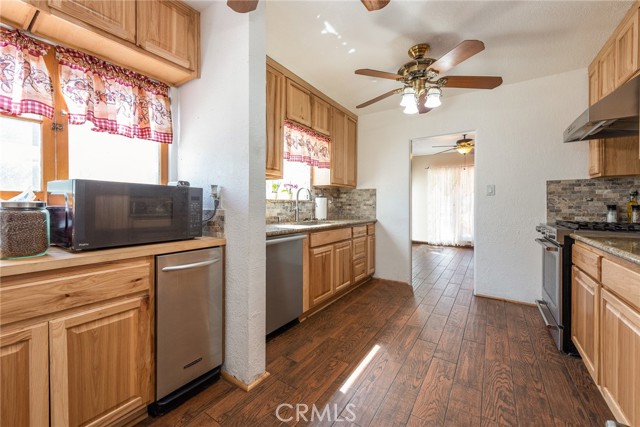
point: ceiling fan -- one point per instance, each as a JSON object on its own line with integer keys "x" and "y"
{"x": 462, "y": 146}
{"x": 420, "y": 77}
{"x": 244, "y": 6}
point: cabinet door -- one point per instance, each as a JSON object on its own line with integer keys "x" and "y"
{"x": 275, "y": 118}
{"x": 338, "y": 148}
{"x": 607, "y": 70}
{"x": 594, "y": 84}
{"x": 100, "y": 363}
{"x": 321, "y": 116}
{"x": 298, "y": 104}
{"x": 371, "y": 254}
{"x": 171, "y": 30}
{"x": 116, "y": 17}
{"x": 620, "y": 156}
{"x": 24, "y": 377}
{"x": 17, "y": 14}
{"x": 321, "y": 275}
{"x": 351, "y": 153}
{"x": 626, "y": 46}
{"x": 585, "y": 297}
{"x": 595, "y": 157}
{"x": 343, "y": 265}
{"x": 620, "y": 358}
{"x": 360, "y": 247}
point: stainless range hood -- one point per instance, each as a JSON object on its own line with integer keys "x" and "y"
{"x": 614, "y": 116}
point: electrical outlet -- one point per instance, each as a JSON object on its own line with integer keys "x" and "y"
{"x": 491, "y": 190}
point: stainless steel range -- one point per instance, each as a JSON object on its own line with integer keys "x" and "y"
{"x": 556, "y": 242}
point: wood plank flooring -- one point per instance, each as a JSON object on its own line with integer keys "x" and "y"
{"x": 437, "y": 356}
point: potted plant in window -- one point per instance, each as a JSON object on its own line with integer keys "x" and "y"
{"x": 275, "y": 185}
{"x": 288, "y": 190}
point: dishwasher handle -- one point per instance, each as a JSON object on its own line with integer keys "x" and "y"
{"x": 285, "y": 239}
{"x": 189, "y": 266}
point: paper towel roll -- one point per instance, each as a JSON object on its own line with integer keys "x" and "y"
{"x": 321, "y": 208}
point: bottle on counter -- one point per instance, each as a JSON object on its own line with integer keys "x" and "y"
{"x": 633, "y": 201}
{"x": 635, "y": 214}
{"x": 612, "y": 213}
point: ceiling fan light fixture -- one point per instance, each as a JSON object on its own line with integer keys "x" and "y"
{"x": 408, "y": 97}
{"x": 433, "y": 98}
{"x": 464, "y": 150}
{"x": 411, "y": 107}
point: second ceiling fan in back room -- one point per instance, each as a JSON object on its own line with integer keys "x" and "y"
{"x": 244, "y": 6}
{"x": 421, "y": 77}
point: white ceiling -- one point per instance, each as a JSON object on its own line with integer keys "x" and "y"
{"x": 524, "y": 40}
{"x": 425, "y": 146}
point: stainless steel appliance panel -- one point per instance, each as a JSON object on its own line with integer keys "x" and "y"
{"x": 284, "y": 280}
{"x": 189, "y": 316}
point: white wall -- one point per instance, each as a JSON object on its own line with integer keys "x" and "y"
{"x": 419, "y": 164}
{"x": 222, "y": 141}
{"x": 518, "y": 148}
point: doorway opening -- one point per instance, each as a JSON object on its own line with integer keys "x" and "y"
{"x": 442, "y": 211}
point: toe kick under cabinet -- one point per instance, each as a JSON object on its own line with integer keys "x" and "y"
{"x": 76, "y": 344}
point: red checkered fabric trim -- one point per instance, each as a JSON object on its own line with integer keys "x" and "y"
{"x": 111, "y": 126}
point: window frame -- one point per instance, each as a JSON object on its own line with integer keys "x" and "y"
{"x": 54, "y": 147}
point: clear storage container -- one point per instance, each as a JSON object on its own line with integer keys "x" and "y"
{"x": 24, "y": 229}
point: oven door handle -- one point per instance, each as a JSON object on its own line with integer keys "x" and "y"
{"x": 549, "y": 247}
{"x": 546, "y": 314}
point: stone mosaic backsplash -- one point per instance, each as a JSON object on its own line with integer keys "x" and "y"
{"x": 342, "y": 204}
{"x": 587, "y": 199}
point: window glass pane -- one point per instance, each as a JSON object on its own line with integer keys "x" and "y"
{"x": 296, "y": 175}
{"x": 20, "y": 154}
{"x": 108, "y": 157}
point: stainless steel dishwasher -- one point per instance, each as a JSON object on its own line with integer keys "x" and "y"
{"x": 189, "y": 325}
{"x": 284, "y": 280}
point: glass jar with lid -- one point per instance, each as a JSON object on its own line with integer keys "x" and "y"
{"x": 24, "y": 229}
{"x": 612, "y": 213}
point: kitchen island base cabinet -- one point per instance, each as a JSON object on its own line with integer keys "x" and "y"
{"x": 100, "y": 363}
{"x": 24, "y": 377}
{"x": 620, "y": 366}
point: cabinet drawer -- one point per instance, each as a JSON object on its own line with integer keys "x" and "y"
{"x": 31, "y": 295}
{"x": 371, "y": 229}
{"x": 359, "y": 269}
{"x": 622, "y": 281}
{"x": 330, "y": 236}
{"x": 359, "y": 230}
{"x": 359, "y": 247}
{"x": 587, "y": 261}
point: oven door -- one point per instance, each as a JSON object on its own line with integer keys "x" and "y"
{"x": 550, "y": 305}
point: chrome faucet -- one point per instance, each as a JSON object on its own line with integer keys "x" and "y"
{"x": 297, "y": 208}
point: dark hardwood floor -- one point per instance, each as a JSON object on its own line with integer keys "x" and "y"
{"x": 437, "y": 356}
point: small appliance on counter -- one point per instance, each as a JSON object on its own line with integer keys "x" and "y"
{"x": 321, "y": 208}
{"x": 90, "y": 214}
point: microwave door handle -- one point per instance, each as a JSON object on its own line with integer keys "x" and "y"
{"x": 189, "y": 266}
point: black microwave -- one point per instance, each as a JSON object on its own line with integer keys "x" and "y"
{"x": 88, "y": 214}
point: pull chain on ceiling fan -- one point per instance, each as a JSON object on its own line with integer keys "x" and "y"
{"x": 420, "y": 77}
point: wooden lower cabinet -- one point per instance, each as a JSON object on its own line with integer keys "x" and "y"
{"x": 100, "y": 363}
{"x": 343, "y": 265}
{"x": 24, "y": 377}
{"x": 620, "y": 363}
{"x": 321, "y": 274}
{"x": 585, "y": 298}
{"x": 371, "y": 254}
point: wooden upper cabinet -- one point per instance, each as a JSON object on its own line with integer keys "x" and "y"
{"x": 100, "y": 363}
{"x": 594, "y": 84}
{"x": 17, "y": 13}
{"x": 614, "y": 157}
{"x": 298, "y": 103}
{"x": 338, "y": 147}
{"x": 607, "y": 70}
{"x": 116, "y": 17}
{"x": 351, "y": 160}
{"x": 171, "y": 30}
{"x": 24, "y": 365}
{"x": 275, "y": 117}
{"x": 626, "y": 46}
{"x": 320, "y": 115}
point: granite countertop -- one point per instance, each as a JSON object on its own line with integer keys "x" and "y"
{"x": 312, "y": 226}
{"x": 624, "y": 247}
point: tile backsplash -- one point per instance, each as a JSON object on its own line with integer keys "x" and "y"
{"x": 343, "y": 204}
{"x": 587, "y": 199}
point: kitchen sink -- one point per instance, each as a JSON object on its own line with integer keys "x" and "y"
{"x": 304, "y": 224}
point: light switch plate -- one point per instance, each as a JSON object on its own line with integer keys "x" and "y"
{"x": 491, "y": 190}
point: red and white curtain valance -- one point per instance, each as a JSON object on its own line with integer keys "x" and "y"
{"x": 25, "y": 84}
{"x": 305, "y": 146}
{"x": 114, "y": 99}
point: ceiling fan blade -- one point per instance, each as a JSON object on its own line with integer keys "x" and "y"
{"x": 242, "y": 6}
{"x": 440, "y": 152}
{"x": 443, "y": 146}
{"x": 372, "y": 5}
{"x": 474, "y": 82}
{"x": 376, "y": 73}
{"x": 379, "y": 98}
{"x": 463, "y": 51}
